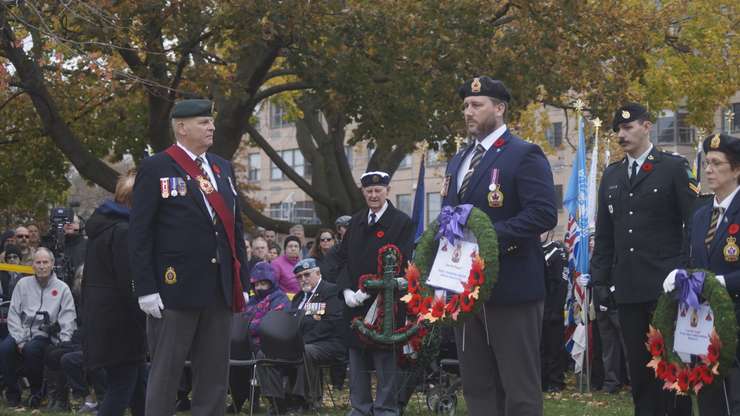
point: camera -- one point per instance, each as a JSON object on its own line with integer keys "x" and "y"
{"x": 54, "y": 240}
{"x": 52, "y": 329}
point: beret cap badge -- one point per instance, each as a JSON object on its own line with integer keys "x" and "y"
{"x": 625, "y": 114}
{"x": 714, "y": 144}
{"x": 475, "y": 85}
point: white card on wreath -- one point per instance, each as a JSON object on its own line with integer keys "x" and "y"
{"x": 453, "y": 262}
{"x": 693, "y": 330}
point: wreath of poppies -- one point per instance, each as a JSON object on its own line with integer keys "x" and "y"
{"x": 685, "y": 378}
{"x": 420, "y": 298}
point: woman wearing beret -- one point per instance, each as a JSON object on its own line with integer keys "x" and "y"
{"x": 711, "y": 232}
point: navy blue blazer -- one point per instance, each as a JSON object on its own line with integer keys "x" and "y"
{"x": 529, "y": 209}
{"x": 176, "y": 234}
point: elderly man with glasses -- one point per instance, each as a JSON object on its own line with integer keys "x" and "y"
{"x": 321, "y": 311}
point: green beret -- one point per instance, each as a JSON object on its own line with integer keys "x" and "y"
{"x": 486, "y": 87}
{"x": 629, "y": 112}
{"x": 192, "y": 108}
{"x": 724, "y": 143}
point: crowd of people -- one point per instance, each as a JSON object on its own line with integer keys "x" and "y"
{"x": 167, "y": 280}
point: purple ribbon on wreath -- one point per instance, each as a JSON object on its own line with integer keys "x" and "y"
{"x": 452, "y": 221}
{"x": 688, "y": 287}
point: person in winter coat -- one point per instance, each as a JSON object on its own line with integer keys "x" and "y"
{"x": 115, "y": 328}
{"x": 42, "y": 313}
{"x": 283, "y": 265}
{"x": 267, "y": 297}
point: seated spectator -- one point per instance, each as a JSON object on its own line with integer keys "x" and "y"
{"x": 273, "y": 252}
{"x": 23, "y": 241}
{"x": 321, "y": 312}
{"x": 6, "y": 239}
{"x": 267, "y": 297}
{"x": 298, "y": 231}
{"x": 8, "y": 280}
{"x": 284, "y": 264}
{"x": 270, "y": 237}
{"x": 323, "y": 252}
{"x": 42, "y": 313}
{"x": 35, "y": 233}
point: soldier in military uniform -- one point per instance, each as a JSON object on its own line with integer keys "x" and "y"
{"x": 645, "y": 202}
{"x": 186, "y": 247}
{"x": 369, "y": 230}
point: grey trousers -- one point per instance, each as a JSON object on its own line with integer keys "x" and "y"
{"x": 361, "y": 363}
{"x": 612, "y": 347}
{"x": 201, "y": 335}
{"x": 501, "y": 371}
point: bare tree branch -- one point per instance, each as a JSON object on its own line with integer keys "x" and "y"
{"x": 277, "y": 89}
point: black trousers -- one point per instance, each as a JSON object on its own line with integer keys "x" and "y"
{"x": 647, "y": 395}
{"x": 553, "y": 354}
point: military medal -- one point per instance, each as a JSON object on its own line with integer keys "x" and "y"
{"x": 182, "y": 187}
{"x": 205, "y": 185}
{"x": 731, "y": 250}
{"x": 164, "y": 186}
{"x": 170, "y": 276}
{"x": 495, "y": 196}
{"x": 445, "y": 186}
{"x": 173, "y": 187}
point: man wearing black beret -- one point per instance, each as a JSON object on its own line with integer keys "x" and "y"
{"x": 510, "y": 180}
{"x": 369, "y": 230}
{"x": 644, "y": 204}
{"x": 186, "y": 251}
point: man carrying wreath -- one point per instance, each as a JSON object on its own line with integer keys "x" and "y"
{"x": 369, "y": 230}
{"x": 510, "y": 181}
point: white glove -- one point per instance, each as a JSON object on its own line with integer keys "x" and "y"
{"x": 670, "y": 281}
{"x": 246, "y": 297}
{"x": 350, "y": 299}
{"x": 583, "y": 280}
{"x": 361, "y": 296}
{"x": 721, "y": 279}
{"x": 151, "y": 305}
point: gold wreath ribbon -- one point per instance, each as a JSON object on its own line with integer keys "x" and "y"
{"x": 19, "y": 268}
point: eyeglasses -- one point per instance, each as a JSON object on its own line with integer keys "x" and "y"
{"x": 713, "y": 163}
{"x": 327, "y": 239}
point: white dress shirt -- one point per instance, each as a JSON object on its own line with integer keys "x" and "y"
{"x": 640, "y": 160}
{"x": 209, "y": 171}
{"x": 725, "y": 204}
{"x": 486, "y": 143}
{"x": 377, "y": 214}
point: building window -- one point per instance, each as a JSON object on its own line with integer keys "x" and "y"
{"x": 278, "y": 117}
{"x": 294, "y": 158}
{"x": 403, "y": 203}
{"x": 405, "y": 162}
{"x": 301, "y": 211}
{"x": 559, "y": 197}
{"x": 253, "y": 159}
{"x": 434, "y": 157}
{"x": 434, "y": 205}
{"x": 671, "y": 128}
{"x": 554, "y": 134}
{"x": 735, "y": 127}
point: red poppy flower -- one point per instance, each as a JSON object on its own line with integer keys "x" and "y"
{"x": 54, "y": 292}
{"x": 380, "y": 234}
{"x": 733, "y": 229}
{"x": 713, "y": 353}
{"x": 466, "y": 304}
{"x": 662, "y": 369}
{"x": 438, "y": 308}
{"x": 656, "y": 347}
{"x": 413, "y": 305}
{"x": 695, "y": 375}
{"x": 706, "y": 376}
{"x": 498, "y": 143}
{"x": 671, "y": 372}
{"x": 683, "y": 380}
{"x": 476, "y": 278}
{"x": 426, "y": 303}
{"x": 647, "y": 166}
{"x": 216, "y": 169}
{"x": 453, "y": 305}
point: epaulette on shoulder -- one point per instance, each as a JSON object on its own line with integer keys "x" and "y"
{"x": 615, "y": 163}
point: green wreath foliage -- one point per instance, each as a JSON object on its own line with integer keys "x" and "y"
{"x": 426, "y": 249}
{"x": 725, "y": 324}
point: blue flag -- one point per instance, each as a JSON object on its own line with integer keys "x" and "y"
{"x": 576, "y": 202}
{"x": 418, "y": 213}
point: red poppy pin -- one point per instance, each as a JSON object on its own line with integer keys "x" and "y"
{"x": 733, "y": 229}
{"x": 54, "y": 292}
{"x": 380, "y": 234}
{"x": 216, "y": 169}
{"x": 498, "y": 143}
{"x": 647, "y": 166}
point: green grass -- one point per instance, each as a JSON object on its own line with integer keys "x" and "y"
{"x": 567, "y": 403}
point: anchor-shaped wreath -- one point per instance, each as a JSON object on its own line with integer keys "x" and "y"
{"x": 389, "y": 285}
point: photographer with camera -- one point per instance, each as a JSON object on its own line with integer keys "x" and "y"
{"x": 42, "y": 313}
{"x": 66, "y": 240}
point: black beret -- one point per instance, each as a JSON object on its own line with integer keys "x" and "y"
{"x": 306, "y": 264}
{"x": 375, "y": 178}
{"x": 722, "y": 143}
{"x": 629, "y": 112}
{"x": 192, "y": 108}
{"x": 485, "y": 87}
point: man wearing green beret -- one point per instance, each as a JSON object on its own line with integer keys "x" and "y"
{"x": 186, "y": 255}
